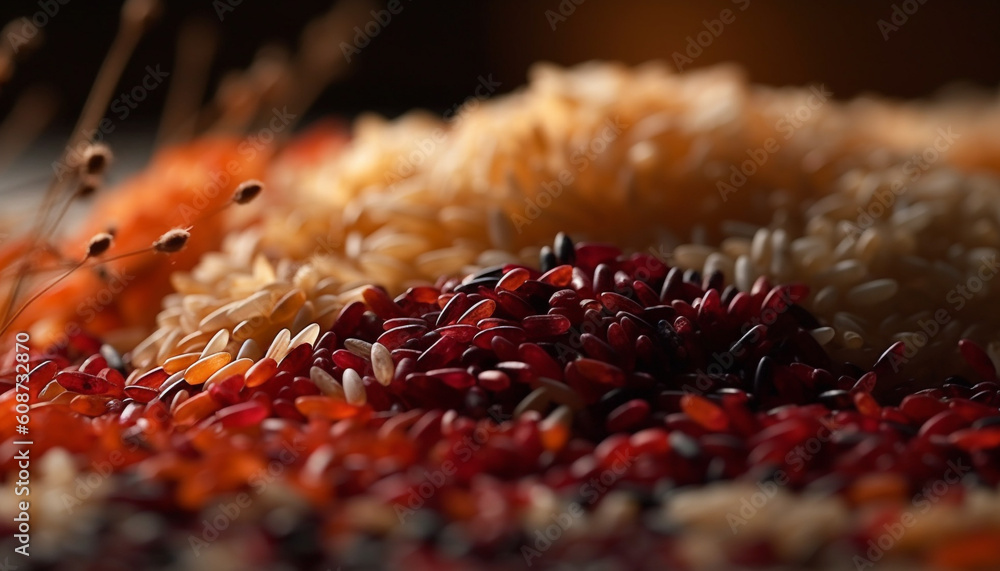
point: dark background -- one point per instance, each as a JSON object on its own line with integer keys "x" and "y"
{"x": 431, "y": 54}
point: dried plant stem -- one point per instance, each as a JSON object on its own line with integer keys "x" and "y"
{"x": 39, "y": 293}
{"x": 196, "y": 47}
{"x": 135, "y": 13}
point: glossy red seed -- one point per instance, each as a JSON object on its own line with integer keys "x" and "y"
{"x": 645, "y": 294}
{"x": 616, "y": 302}
{"x": 590, "y": 255}
{"x": 653, "y": 441}
{"x": 619, "y": 339}
{"x": 518, "y": 371}
{"x": 495, "y": 381}
{"x": 461, "y": 333}
{"x": 558, "y": 276}
{"x": 454, "y": 377}
{"x": 83, "y": 383}
{"x": 480, "y": 310}
{"x": 441, "y": 353}
{"x": 227, "y": 391}
{"x": 286, "y": 409}
{"x": 114, "y": 377}
{"x": 515, "y": 305}
{"x": 503, "y": 349}
{"x": 942, "y": 424}
{"x": 243, "y": 415}
{"x": 347, "y": 360}
{"x": 969, "y": 410}
{"x": 977, "y": 358}
{"x": 866, "y": 384}
{"x": 971, "y": 439}
{"x": 395, "y": 337}
{"x": 141, "y": 394}
{"x": 921, "y": 407}
{"x": 348, "y": 320}
{"x": 403, "y": 321}
{"x": 152, "y": 379}
{"x": 380, "y": 302}
{"x": 491, "y": 322}
{"x": 453, "y": 309}
{"x": 704, "y": 412}
{"x": 628, "y": 416}
{"x": 513, "y": 279}
{"x": 93, "y": 365}
{"x": 597, "y": 372}
{"x": 297, "y": 360}
{"x": 597, "y": 349}
{"x": 542, "y": 326}
{"x": 422, "y": 294}
{"x": 866, "y": 405}
{"x": 514, "y": 335}
{"x": 327, "y": 341}
{"x": 540, "y": 361}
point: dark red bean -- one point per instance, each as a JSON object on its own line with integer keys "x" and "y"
{"x": 453, "y": 309}
{"x": 616, "y": 302}
{"x": 93, "y": 365}
{"x": 395, "y": 337}
{"x": 481, "y": 310}
{"x": 942, "y": 424}
{"x": 442, "y": 353}
{"x": 590, "y": 255}
{"x": 380, "y": 302}
{"x": 540, "y": 361}
{"x": 244, "y": 415}
{"x": 297, "y": 360}
{"x": 83, "y": 383}
{"x": 597, "y": 372}
{"x": 544, "y": 326}
{"x": 454, "y": 377}
{"x": 515, "y": 335}
{"x": 515, "y": 305}
{"x": 628, "y": 416}
{"x": 141, "y": 394}
{"x": 558, "y": 276}
{"x": 389, "y": 324}
{"x": 461, "y": 333}
{"x": 494, "y": 381}
{"x": 347, "y": 360}
{"x": 517, "y": 371}
{"x": 347, "y": 322}
{"x": 977, "y": 358}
